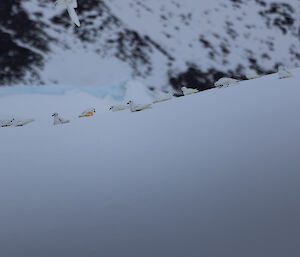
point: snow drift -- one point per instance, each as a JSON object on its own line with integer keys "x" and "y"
{"x": 211, "y": 174}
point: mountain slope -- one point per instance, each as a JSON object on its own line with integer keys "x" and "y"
{"x": 160, "y": 43}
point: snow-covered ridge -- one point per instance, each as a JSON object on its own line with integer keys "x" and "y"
{"x": 161, "y": 43}
{"x": 215, "y": 174}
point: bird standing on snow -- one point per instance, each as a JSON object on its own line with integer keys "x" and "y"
{"x": 116, "y": 108}
{"x": 163, "y": 98}
{"x": 87, "y": 113}
{"x": 21, "y": 123}
{"x": 189, "y": 91}
{"x": 70, "y": 5}
{"x": 283, "y": 73}
{"x": 138, "y": 107}
{"x": 58, "y": 120}
{"x": 225, "y": 82}
{"x": 6, "y": 123}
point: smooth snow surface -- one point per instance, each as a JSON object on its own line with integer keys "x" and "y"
{"x": 211, "y": 174}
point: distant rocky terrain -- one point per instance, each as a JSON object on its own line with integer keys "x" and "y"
{"x": 162, "y": 43}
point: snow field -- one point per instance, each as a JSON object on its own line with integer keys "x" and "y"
{"x": 211, "y": 174}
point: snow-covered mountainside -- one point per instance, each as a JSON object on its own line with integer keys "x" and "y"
{"x": 161, "y": 43}
{"x": 211, "y": 174}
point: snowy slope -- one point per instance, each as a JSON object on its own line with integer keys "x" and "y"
{"x": 161, "y": 43}
{"x": 211, "y": 174}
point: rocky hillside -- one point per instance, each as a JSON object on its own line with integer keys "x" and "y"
{"x": 162, "y": 43}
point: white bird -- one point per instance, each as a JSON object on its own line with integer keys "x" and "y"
{"x": 70, "y": 5}
{"x": 165, "y": 97}
{"x": 189, "y": 91}
{"x": 251, "y": 74}
{"x": 284, "y": 73}
{"x": 138, "y": 107}
{"x": 116, "y": 108}
{"x": 225, "y": 82}
{"x": 6, "y": 123}
{"x": 87, "y": 113}
{"x": 20, "y": 123}
{"x": 58, "y": 120}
